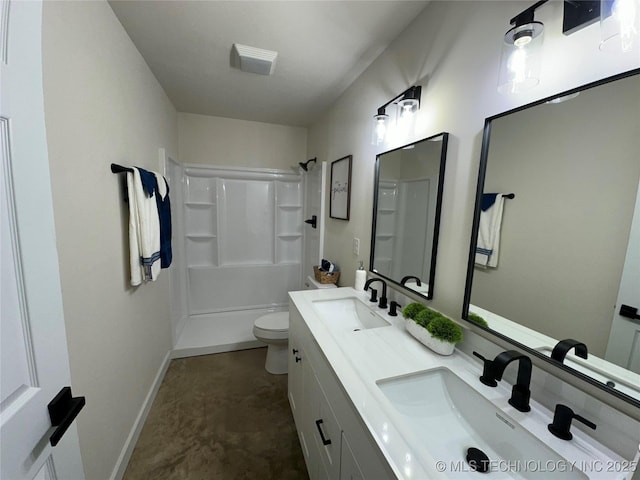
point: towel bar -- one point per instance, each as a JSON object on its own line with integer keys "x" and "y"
{"x": 115, "y": 168}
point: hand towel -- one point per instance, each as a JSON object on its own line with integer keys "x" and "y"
{"x": 144, "y": 231}
{"x": 488, "y": 243}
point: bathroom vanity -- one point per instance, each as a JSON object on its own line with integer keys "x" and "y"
{"x": 371, "y": 402}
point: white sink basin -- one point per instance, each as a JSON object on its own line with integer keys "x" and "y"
{"x": 599, "y": 374}
{"x": 348, "y": 314}
{"x": 447, "y": 417}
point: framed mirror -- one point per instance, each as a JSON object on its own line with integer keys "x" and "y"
{"x": 406, "y": 213}
{"x": 561, "y": 259}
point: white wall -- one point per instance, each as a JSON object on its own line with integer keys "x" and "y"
{"x": 239, "y": 143}
{"x": 103, "y": 105}
{"x": 453, "y": 50}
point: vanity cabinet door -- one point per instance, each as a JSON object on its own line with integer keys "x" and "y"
{"x": 296, "y": 371}
{"x": 327, "y": 434}
{"x": 349, "y": 468}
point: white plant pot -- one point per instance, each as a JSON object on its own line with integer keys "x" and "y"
{"x": 423, "y": 336}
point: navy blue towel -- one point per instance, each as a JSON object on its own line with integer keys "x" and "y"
{"x": 150, "y": 185}
{"x": 488, "y": 199}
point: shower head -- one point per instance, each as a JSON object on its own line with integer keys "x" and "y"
{"x": 305, "y": 165}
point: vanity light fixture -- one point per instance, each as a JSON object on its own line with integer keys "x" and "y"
{"x": 619, "y": 21}
{"x": 520, "y": 62}
{"x": 380, "y": 125}
{"x": 620, "y": 25}
{"x": 407, "y": 103}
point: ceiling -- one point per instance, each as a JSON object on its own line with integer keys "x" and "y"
{"x": 323, "y": 46}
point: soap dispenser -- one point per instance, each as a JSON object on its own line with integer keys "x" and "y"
{"x": 361, "y": 277}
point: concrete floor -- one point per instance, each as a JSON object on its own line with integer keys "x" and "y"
{"x": 220, "y": 417}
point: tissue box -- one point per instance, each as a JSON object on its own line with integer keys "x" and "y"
{"x": 325, "y": 277}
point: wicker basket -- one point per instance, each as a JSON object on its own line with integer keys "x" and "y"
{"x": 325, "y": 277}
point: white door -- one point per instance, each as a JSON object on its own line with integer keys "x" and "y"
{"x": 624, "y": 340}
{"x": 314, "y": 200}
{"x": 34, "y": 364}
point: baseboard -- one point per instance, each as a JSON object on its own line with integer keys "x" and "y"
{"x": 132, "y": 439}
{"x": 208, "y": 350}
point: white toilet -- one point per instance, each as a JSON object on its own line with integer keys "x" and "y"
{"x": 273, "y": 329}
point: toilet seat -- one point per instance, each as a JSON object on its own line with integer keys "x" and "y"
{"x": 275, "y": 322}
{"x": 273, "y": 326}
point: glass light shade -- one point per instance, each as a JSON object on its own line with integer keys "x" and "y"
{"x": 406, "y": 114}
{"x": 620, "y": 25}
{"x": 379, "y": 130}
{"x": 521, "y": 61}
{"x": 407, "y": 107}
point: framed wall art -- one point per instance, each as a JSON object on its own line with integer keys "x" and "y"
{"x": 340, "y": 198}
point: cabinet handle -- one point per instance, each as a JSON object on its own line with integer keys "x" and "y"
{"x": 294, "y": 351}
{"x": 325, "y": 441}
{"x": 298, "y": 359}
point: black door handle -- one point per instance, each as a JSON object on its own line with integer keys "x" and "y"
{"x": 312, "y": 221}
{"x": 629, "y": 312}
{"x": 325, "y": 441}
{"x": 63, "y": 410}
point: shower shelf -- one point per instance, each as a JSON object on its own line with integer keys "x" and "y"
{"x": 290, "y": 207}
{"x": 386, "y": 210}
{"x": 200, "y": 204}
{"x": 289, "y": 235}
{"x": 384, "y": 236}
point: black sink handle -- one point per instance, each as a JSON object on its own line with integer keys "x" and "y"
{"x": 561, "y": 424}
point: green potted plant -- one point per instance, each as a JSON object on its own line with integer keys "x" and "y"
{"x": 435, "y": 331}
{"x": 411, "y": 310}
{"x": 425, "y": 316}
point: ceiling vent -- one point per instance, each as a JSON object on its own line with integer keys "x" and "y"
{"x": 253, "y": 60}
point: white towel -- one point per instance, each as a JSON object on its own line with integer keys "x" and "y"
{"x": 144, "y": 232}
{"x": 488, "y": 243}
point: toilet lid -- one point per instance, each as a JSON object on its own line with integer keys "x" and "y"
{"x": 278, "y": 321}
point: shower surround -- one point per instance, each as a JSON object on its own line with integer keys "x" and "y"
{"x": 243, "y": 245}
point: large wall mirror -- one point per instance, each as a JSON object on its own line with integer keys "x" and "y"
{"x": 561, "y": 259}
{"x": 406, "y": 213}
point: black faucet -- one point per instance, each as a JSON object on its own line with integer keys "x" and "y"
{"x": 561, "y": 425}
{"x": 562, "y": 348}
{"x": 410, "y": 277}
{"x": 374, "y": 295}
{"x": 383, "y": 299}
{"x": 392, "y": 308}
{"x": 520, "y": 392}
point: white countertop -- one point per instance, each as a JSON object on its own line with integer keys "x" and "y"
{"x": 361, "y": 358}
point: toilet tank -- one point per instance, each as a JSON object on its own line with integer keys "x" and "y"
{"x": 311, "y": 283}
